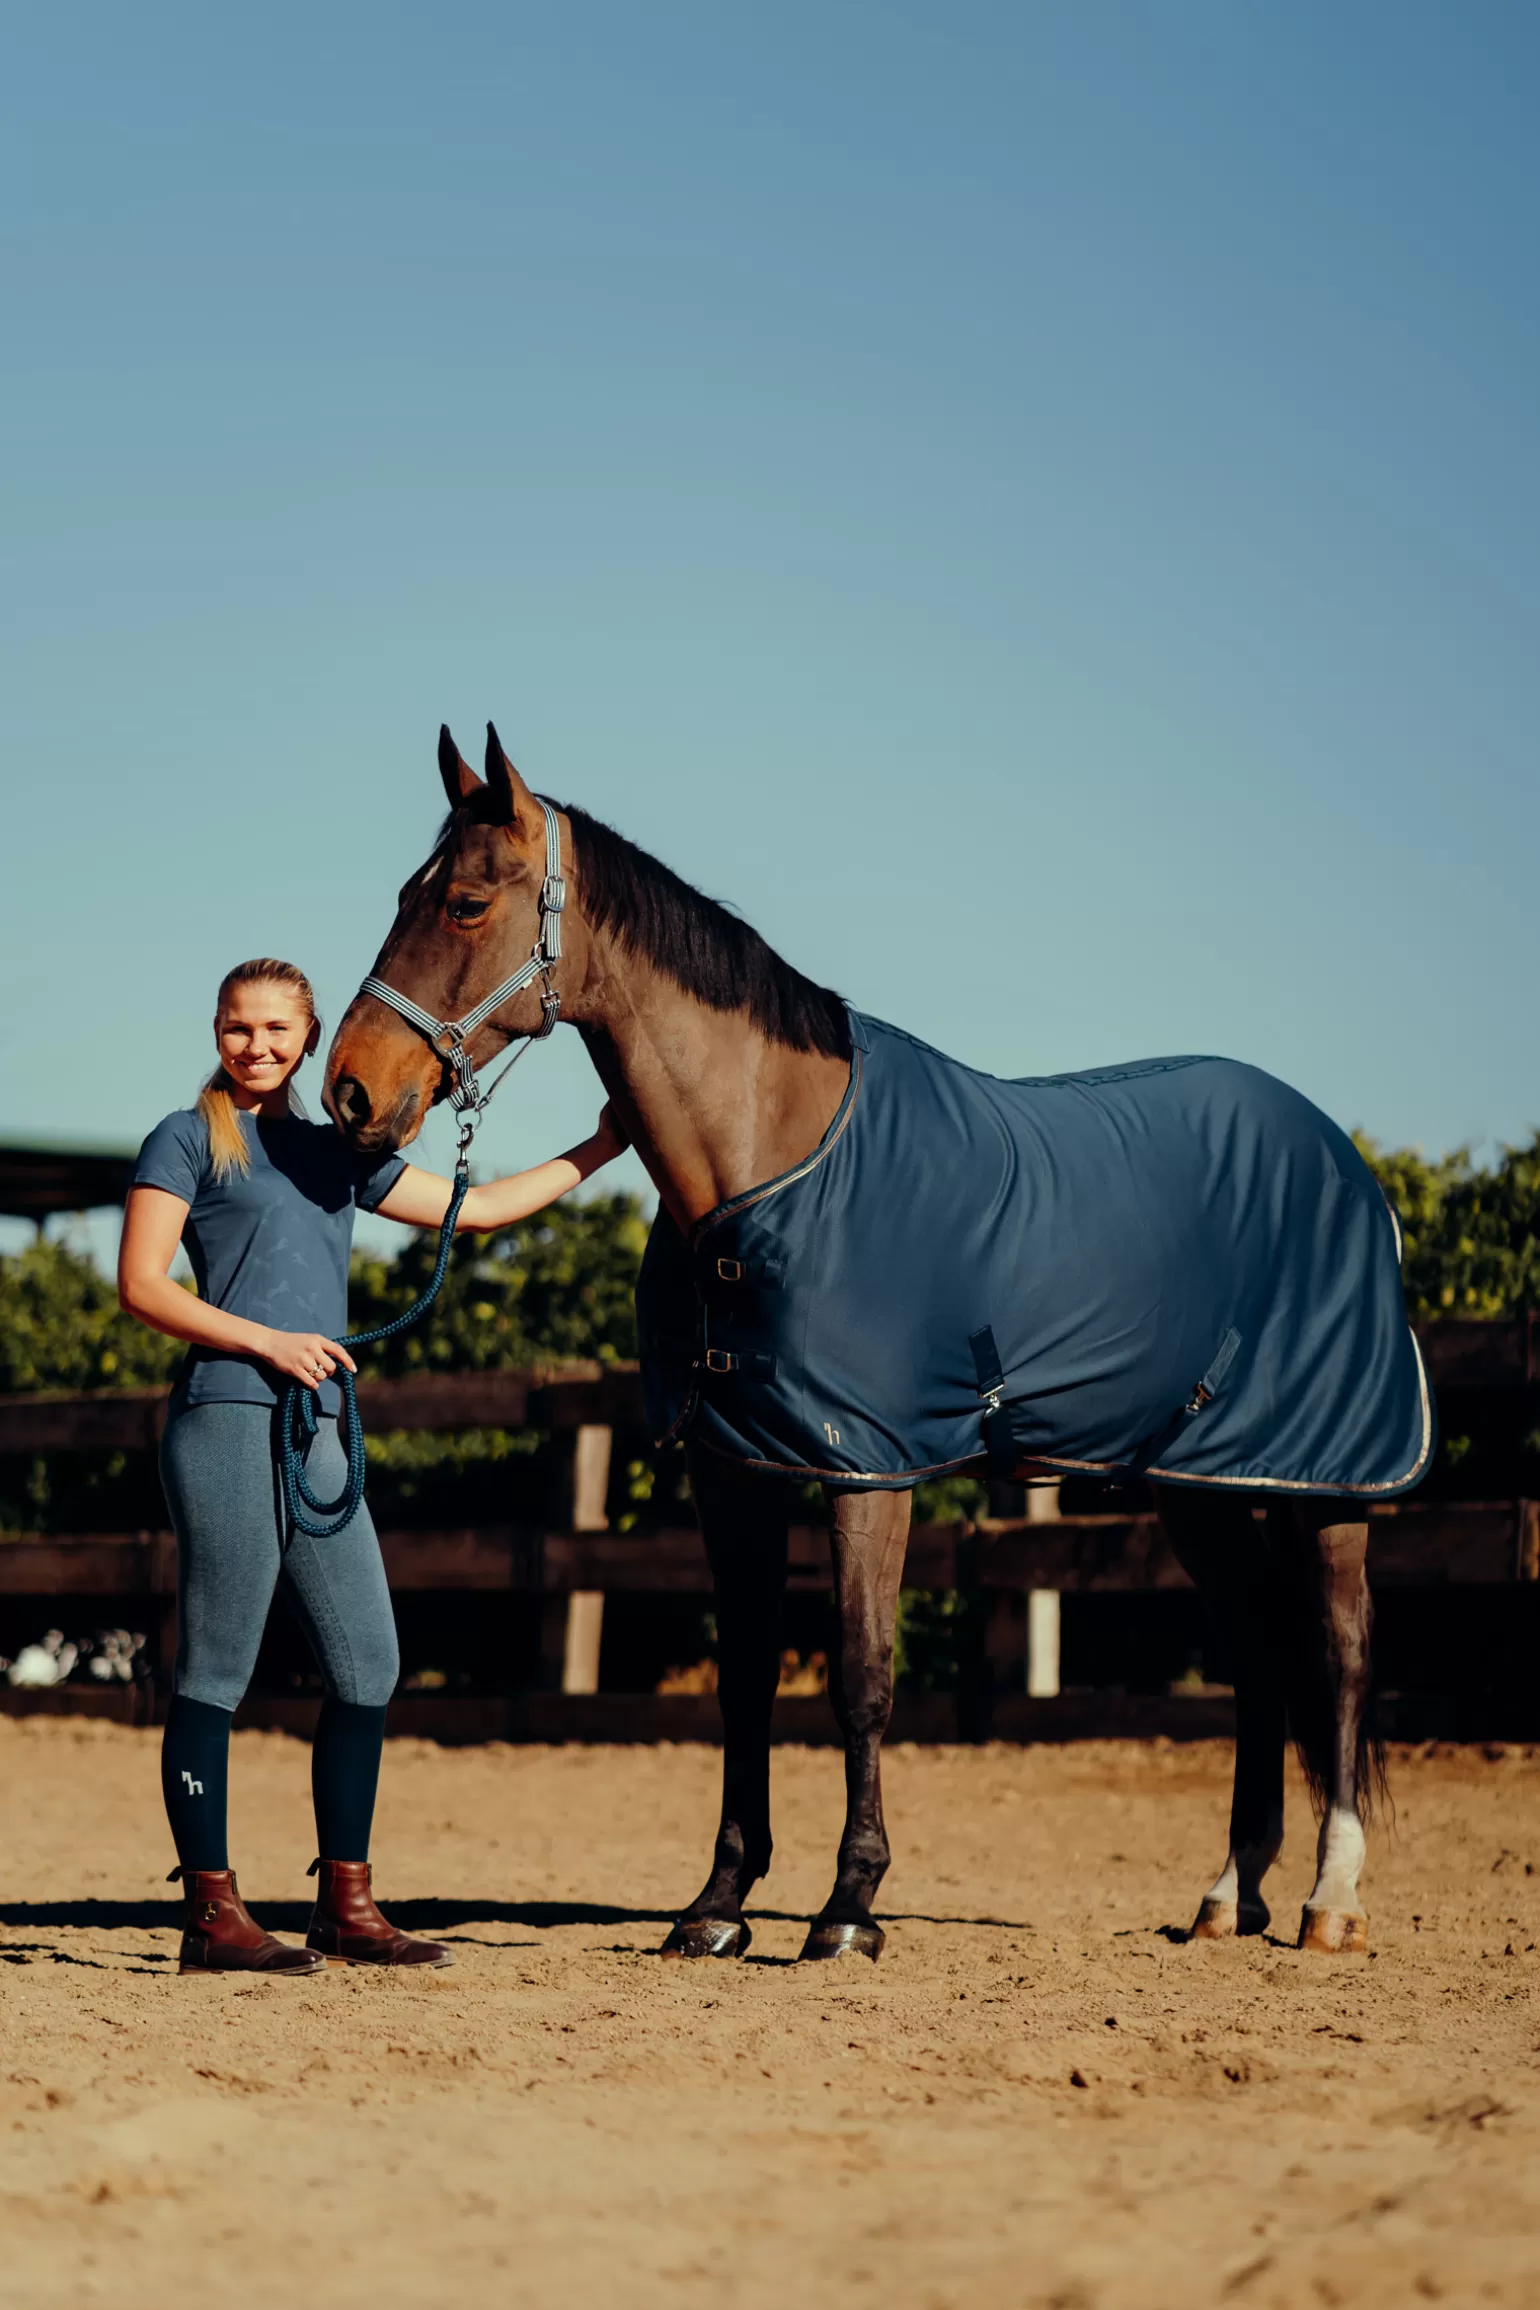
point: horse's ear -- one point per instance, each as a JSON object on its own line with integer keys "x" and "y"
{"x": 511, "y": 798}
{"x": 460, "y": 780}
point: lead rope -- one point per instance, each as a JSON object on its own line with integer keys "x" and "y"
{"x": 298, "y": 1419}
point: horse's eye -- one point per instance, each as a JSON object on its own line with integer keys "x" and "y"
{"x": 467, "y": 909}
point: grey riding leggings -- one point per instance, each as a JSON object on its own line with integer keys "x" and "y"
{"x": 216, "y": 1463}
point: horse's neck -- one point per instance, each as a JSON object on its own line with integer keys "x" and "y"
{"x": 713, "y": 1106}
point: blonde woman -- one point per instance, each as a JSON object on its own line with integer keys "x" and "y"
{"x": 264, "y": 1202}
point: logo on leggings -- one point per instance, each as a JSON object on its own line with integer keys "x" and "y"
{"x": 194, "y": 1788}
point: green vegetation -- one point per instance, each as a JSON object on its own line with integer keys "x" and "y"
{"x": 61, "y": 1327}
{"x": 1471, "y": 1245}
{"x": 556, "y": 1287}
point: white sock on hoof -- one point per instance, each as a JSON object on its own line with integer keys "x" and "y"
{"x": 1339, "y": 1859}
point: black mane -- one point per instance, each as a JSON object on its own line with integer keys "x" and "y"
{"x": 709, "y": 952}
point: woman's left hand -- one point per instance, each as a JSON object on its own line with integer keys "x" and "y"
{"x": 611, "y": 1135}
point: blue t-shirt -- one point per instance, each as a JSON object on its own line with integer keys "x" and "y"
{"x": 270, "y": 1243}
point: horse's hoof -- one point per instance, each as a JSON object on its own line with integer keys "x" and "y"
{"x": 1224, "y": 1920}
{"x": 844, "y": 1941}
{"x": 1340, "y": 1932}
{"x": 707, "y": 1937}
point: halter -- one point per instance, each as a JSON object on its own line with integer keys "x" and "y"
{"x": 448, "y": 1037}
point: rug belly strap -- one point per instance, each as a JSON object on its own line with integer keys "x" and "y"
{"x": 999, "y": 1441}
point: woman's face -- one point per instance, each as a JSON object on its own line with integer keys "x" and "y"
{"x": 263, "y": 1032}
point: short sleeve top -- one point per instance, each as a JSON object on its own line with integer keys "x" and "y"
{"x": 270, "y": 1243}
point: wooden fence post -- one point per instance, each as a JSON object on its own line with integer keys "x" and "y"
{"x": 583, "y": 1636}
{"x": 1042, "y": 1643}
{"x": 973, "y": 1669}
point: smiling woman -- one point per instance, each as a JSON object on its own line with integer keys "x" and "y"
{"x": 265, "y": 1024}
{"x": 265, "y": 1202}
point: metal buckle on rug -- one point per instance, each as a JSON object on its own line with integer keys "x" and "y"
{"x": 759, "y": 1364}
{"x": 767, "y": 1274}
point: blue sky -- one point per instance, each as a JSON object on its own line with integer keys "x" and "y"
{"x": 1037, "y": 506}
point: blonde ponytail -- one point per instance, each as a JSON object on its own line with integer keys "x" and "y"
{"x": 229, "y": 1149}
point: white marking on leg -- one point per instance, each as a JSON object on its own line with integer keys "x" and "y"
{"x": 1245, "y": 1867}
{"x": 1339, "y": 1859}
{"x": 194, "y": 1788}
{"x": 1234, "y": 1903}
{"x": 1226, "y": 1886}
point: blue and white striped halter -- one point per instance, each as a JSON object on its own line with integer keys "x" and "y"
{"x": 448, "y": 1037}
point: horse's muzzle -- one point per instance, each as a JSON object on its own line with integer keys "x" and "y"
{"x": 349, "y": 1103}
{"x": 351, "y": 1108}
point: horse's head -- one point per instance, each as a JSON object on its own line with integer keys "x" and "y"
{"x": 464, "y": 922}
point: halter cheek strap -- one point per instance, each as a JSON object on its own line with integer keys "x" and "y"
{"x": 449, "y": 1037}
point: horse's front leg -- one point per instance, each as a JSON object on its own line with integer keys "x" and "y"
{"x": 1329, "y": 1708}
{"x": 1219, "y": 1546}
{"x": 871, "y": 1531}
{"x": 743, "y": 1520}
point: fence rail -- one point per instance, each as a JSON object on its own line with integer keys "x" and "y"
{"x": 1458, "y": 1354}
{"x": 574, "y": 1562}
{"x": 1474, "y": 1544}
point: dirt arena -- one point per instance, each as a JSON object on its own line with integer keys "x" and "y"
{"x": 1041, "y": 2096}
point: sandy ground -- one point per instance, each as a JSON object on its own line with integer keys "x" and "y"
{"x": 1041, "y": 2096}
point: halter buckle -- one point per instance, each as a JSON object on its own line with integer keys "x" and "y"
{"x": 553, "y": 893}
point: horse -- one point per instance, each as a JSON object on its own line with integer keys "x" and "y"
{"x": 734, "y": 1074}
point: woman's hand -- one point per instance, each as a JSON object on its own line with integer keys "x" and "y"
{"x": 307, "y": 1356}
{"x": 418, "y": 1199}
{"x": 611, "y": 1136}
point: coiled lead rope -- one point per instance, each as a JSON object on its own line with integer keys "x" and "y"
{"x": 299, "y": 1419}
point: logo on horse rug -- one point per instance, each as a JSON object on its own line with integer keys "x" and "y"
{"x": 1178, "y": 1268}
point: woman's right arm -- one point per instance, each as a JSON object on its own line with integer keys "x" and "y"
{"x": 152, "y": 1229}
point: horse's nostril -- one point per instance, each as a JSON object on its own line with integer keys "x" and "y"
{"x": 350, "y": 1100}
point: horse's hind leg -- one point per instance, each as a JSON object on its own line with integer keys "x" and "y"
{"x": 743, "y": 1520}
{"x": 1329, "y": 1712}
{"x": 871, "y": 1532}
{"x": 1219, "y": 1544}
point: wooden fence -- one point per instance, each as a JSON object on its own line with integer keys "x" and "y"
{"x": 573, "y": 1565}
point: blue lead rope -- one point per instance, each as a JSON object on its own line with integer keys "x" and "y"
{"x": 298, "y": 1418}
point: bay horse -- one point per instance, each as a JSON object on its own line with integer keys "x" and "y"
{"x": 730, "y": 1069}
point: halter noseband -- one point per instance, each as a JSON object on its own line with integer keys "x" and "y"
{"x": 448, "y": 1037}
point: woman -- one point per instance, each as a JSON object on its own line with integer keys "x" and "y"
{"x": 264, "y": 1202}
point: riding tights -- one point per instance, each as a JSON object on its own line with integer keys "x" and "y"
{"x": 217, "y": 1467}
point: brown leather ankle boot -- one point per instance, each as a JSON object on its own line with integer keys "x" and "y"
{"x": 220, "y": 1935}
{"x": 347, "y": 1925}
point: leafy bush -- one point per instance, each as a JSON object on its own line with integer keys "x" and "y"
{"x": 61, "y": 1327}
{"x": 1470, "y": 1235}
{"x": 558, "y": 1286}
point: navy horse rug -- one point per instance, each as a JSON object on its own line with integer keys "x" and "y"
{"x": 1178, "y": 1268}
